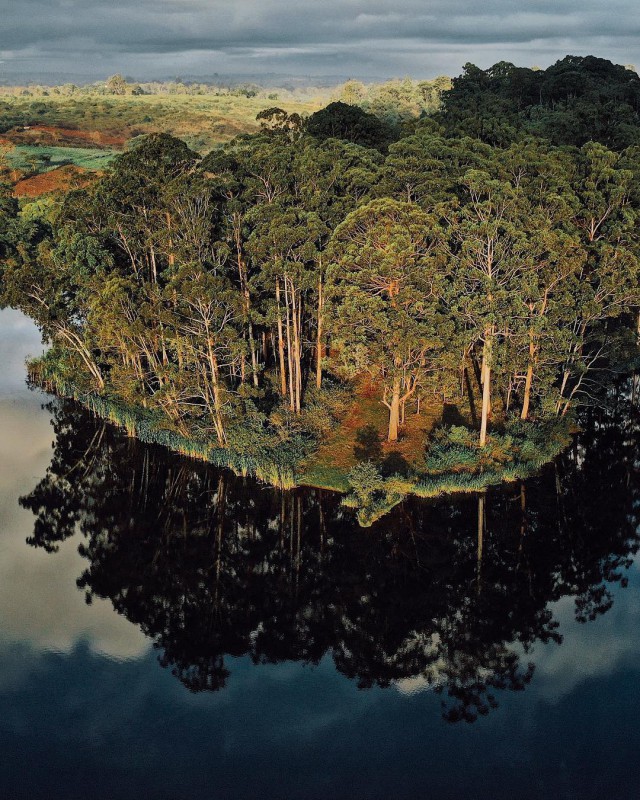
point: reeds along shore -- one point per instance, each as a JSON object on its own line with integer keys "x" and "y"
{"x": 455, "y": 465}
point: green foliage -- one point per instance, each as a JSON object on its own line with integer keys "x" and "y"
{"x": 253, "y": 449}
{"x": 455, "y": 450}
{"x": 396, "y": 101}
{"x": 371, "y": 494}
{"x": 233, "y": 306}
{"x": 350, "y": 123}
{"x": 8, "y": 239}
{"x": 576, "y": 100}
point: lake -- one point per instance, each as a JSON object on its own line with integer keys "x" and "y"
{"x": 168, "y": 630}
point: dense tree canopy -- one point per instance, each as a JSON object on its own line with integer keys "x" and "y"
{"x": 476, "y": 263}
{"x": 577, "y": 100}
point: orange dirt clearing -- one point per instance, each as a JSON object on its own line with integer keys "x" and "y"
{"x": 55, "y": 136}
{"x": 61, "y": 179}
{"x": 338, "y": 450}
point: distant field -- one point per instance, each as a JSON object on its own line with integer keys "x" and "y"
{"x": 43, "y": 139}
{"x": 202, "y": 121}
{"x": 30, "y": 158}
{"x": 48, "y": 132}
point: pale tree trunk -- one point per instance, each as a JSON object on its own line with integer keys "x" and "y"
{"x": 287, "y": 303}
{"x": 215, "y": 385}
{"x": 172, "y": 255}
{"x": 154, "y": 268}
{"x": 281, "y": 361}
{"x": 246, "y": 298}
{"x": 319, "y": 336}
{"x": 565, "y": 379}
{"x": 398, "y": 402}
{"x": 527, "y": 393}
{"x": 297, "y": 358}
{"x": 78, "y": 345}
{"x": 254, "y": 356}
{"x": 486, "y": 387}
{"x": 529, "y": 379}
{"x": 394, "y": 411}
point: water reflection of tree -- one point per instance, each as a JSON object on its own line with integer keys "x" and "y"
{"x": 450, "y": 593}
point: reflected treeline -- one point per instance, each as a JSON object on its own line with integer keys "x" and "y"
{"x": 451, "y": 594}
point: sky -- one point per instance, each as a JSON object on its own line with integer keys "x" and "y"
{"x": 372, "y": 39}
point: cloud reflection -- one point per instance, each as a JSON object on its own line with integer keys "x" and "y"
{"x": 40, "y": 605}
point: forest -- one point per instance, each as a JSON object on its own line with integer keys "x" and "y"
{"x": 349, "y": 300}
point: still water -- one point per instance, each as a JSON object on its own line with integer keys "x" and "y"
{"x": 170, "y": 631}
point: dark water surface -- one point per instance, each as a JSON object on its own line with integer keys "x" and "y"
{"x": 170, "y": 631}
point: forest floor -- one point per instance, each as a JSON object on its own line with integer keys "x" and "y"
{"x": 327, "y": 468}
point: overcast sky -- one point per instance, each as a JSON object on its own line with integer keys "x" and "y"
{"x": 360, "y": 38}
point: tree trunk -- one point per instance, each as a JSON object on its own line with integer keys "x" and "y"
{"x": 319, "y": 336}
{"x": 529, "y": 380}
{"x": 565, "y": 379}
{"x": 283, "y": 369}
{"x": 78, "y": 345}
{"x": 246, "y": 297}
{"x": 394, "y": 412}
{"x": 292, "y": 404}
{"x": 486, "y": 388}
{"x": 254, "y": 355}
{"x": 297, "y": 356}
{"x": 172, "y": 255}
{"x": 215, "y": 385}
{"x": 527, "y": 392}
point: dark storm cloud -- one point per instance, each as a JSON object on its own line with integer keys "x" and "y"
{"x": 381, "y": 37}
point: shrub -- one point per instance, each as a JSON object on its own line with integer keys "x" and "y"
{"x": 368, "y": 445}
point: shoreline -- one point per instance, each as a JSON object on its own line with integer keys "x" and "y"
{"x": 364, "y": 489}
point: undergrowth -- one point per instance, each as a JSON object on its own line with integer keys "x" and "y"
{"x": 455, "y": 462}
{"x": 274, "y": 453}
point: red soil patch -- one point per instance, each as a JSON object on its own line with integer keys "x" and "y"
{"x": 56, "y": 180}
{"x": 53, "y": 136}
{"x": 338, "y": 450}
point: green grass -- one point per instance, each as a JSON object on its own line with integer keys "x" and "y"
{"x": 43, "y": 159}
{"x": 325, "y": 476}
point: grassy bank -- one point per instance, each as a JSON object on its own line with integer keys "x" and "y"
{"x": 274, "y": 466}
{"x": 452, "y": 462}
